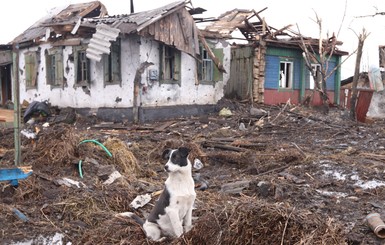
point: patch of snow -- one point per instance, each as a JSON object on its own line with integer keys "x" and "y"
{"x": 332, "y": 193}
{"x": 56, "y": 239}
{"x": 335, "y": 174}
{"x": 354, "y": 177}
{"x": 369, "y": 184}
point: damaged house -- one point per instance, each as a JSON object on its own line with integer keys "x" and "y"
{"x": 269, "y": 68}
{"x": 142, "y": 66}
{"x": 5, "y": 75}
{"x": 158, "y": 64}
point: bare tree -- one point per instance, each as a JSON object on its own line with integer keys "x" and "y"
{"x": 321, "y": 54}
{"x": 361, "y": 40}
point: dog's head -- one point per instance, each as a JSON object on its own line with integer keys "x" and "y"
{"x": 177, "y": 159}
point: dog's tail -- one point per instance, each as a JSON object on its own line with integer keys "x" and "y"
{"x": 132, "y": 215}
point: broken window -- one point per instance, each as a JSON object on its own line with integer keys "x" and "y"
{"x": 54, "y": 66}
{"x": 31, "y": 69}
{"x": 112, "y": 68}
{"x": 286, "y": 74}
{"x": 205, "y": 66}
{"x": 207, "y": 71}
{"x": 315, "y": 68}
{"x": 170, "y": 64}
{"x": 82, "y": 66}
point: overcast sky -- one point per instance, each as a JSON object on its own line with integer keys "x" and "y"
{"x": 18, "y": 15}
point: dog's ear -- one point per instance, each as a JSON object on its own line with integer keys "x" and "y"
{"x": 184, "y": 151}
{"x": 166, "y": 154}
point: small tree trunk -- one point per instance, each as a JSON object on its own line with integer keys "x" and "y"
{"x": 353, "y": 100}
{"x": 320, "y": 84}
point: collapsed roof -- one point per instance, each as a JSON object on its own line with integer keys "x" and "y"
{"x": 60, "y": 21}
{"x": 82, "y": 20}
{"x": 254, "y": 28}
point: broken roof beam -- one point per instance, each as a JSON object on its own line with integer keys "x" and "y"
{"x": 252, "y": 27}
{"x": 280, "y": 31}
{"x": 262, "y": 20}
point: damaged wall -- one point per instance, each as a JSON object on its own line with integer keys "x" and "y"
{"x": 154, "y": 93}
{"x": 71, "y": 95}
{"x": 134, "y": 51}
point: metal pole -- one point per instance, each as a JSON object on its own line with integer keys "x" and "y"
{"x": 16, "y": 98}
{"x": 132, "y": 6}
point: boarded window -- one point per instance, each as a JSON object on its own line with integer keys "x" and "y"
{"x": 31, "y": 69}
{"x": 82, "y": 66}
{"x": 54, "y": 66}
{"x": 170, "y": 64}
{"x": 112, "y": 65}
{"x": 286, "y": 74}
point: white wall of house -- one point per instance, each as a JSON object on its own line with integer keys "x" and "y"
{"x": 135, "y": 50}
{"x": 189, "y": 91}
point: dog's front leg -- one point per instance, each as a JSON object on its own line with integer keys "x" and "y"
{"x": 176, "y": 223}
{"x": 187, "y": 224}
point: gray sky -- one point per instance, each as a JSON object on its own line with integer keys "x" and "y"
{"x": 18, "y": 15}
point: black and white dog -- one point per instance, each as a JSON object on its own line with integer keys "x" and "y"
{"x": 171, "y": 215}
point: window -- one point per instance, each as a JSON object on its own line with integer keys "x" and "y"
{"x": 82, "y": 66}
{"x": 112, "y": 69}
{"x": 315, "y": 68}
{"x": 170, "y": 64}
{"x": 205, "y": 66}
{"x": 208, "y": 73}
{"x": 286, "y": 74}
{"x": 54, "y": 66}
{"x": 31, "y": 69}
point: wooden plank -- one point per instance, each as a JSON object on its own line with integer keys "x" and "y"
{"x": 151, "y": 29}
{"x": 164, "y": 126}
{"x": 182, "y": 28}
{"x": 161, "y": 31}
{"x": 223, "y": 147}
{"x": 67, "y": 42}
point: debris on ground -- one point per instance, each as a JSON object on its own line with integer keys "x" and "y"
{"x": 291, "y": 175}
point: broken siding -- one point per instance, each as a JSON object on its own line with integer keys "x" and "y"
{"x": 177, "y": 29}
{"x": 241, "y": 73}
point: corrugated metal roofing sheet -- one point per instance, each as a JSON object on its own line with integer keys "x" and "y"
{"x": 100, "y": 41}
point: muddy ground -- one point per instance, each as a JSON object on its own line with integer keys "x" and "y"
{"x": 292, "y": 175}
